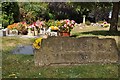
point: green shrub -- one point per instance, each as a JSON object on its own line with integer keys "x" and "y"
{"x": 100, "y": 22}
{"x": 5, "y": 23}
{"x": 52, "y": 23}
{"x": 87, "y": 23}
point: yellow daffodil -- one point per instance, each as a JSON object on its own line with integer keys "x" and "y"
{"x": 37, "y": 43}
{"x": 54, "y": 27}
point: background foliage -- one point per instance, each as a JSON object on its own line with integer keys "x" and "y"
{"x": 31, "y": 11}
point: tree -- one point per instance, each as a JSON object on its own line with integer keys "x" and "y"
{"x": 31, "y": 11}
{"x": 114, "y": 19}
{"x": 10, "y": 13}
{"x": 101, "y": 11}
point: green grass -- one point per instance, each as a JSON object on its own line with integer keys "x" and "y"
{"x": 22, "y": 66}
{"x": 97, "y": 33}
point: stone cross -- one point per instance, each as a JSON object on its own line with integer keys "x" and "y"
{"x": 84, "y": 19}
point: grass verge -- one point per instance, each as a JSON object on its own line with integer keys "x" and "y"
{"x": 22, "y": 66}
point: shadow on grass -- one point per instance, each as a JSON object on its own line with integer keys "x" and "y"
{"x": 102, "y": 32}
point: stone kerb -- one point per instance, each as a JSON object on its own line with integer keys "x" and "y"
{"x": 68, "y": 50}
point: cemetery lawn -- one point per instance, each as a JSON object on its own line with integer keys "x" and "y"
{"x": 22, "y": 66}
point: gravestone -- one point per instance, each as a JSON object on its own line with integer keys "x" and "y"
{"x": 1, "y": 33}
{"x": 70, "y": 50}
{"x": 26, "y": 49}
{"x": 84, "y": 19}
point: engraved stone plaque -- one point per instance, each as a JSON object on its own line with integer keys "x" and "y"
{"x": 69, "y": 50}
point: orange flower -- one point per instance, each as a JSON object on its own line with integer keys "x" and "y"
{"x": 12, "y": 26}
{"x": 9, "y": 26}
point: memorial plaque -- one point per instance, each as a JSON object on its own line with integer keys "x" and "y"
{"x": 69, "y": 50}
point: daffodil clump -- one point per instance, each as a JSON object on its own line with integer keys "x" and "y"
{"x": 37, "y": 43}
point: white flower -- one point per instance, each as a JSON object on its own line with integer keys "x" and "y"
{"x": 72, "y": 21}
{"x": 68, "y": 23}
{"x": 65, "y": 25}
{"x": 32, "y": 26}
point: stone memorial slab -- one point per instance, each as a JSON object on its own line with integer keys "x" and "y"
{"x": 69, "y": 50}
{"x": 26, "y": 49}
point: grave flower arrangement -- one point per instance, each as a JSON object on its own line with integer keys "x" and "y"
{"x": 52, "y": 24}
{"x": 35, "y": 27}
{"x": 39, "y": 24}
{"x": 54, "y": 28}
{"x": 12, "y": 29}
{"x": 12, "y": 26}
{"x": 17, "y": 26}
{"x": 31, "y": 27}
{"x": 105, "y": 24}
{"x": 66, "y": 25}
{"x": 22, "y": 27}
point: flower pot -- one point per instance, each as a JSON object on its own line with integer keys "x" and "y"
{"x": 24, "y": 32}
{"x": 67, "y": 34}
{"x": 36, "y": 33}
{"x": 13, "y": 32}
{"x": 29, "y": 32}
{"x": 33, "y": 33}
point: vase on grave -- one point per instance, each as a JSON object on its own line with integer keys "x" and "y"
{"x": 33, "y": 33}
{"x": 4, "y": 33}
{"x": 29, "y": 32}
{"x": 24, "y": 32}
{"x": 13, "y": 32}
{"x": 65, "y": 34}
{"x": 41, "y": 31}
{"x": 36, "y": 32}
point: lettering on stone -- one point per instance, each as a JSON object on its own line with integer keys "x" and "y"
{"x": 67, "y": 50}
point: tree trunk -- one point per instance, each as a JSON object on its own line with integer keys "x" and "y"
{"x": 114, "y": 19}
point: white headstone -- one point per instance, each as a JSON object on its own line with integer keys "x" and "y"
{"x": 84, "y": 19}
{"x": 1, "y": 33}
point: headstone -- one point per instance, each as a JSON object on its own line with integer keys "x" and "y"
{"x": 84, "y": 19}
{"x": 5, "y": 32}
{"x": 70, "y": 50}
{"x": 1, "y": 33}
{"x": 27, "y": 49}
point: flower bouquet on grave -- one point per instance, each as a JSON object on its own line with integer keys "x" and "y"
{"x": 39, "y": 25}
{"x": 66, "y": 26}
{"x": 54, "y": 28}
{"x": 105, "y": 24}
{"x": 31, "y": 30}
{"x": 22, "y": 28}
{"x": 13, "y": 29}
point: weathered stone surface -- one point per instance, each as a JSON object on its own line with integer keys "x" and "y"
{"x": 68, "y": 50}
